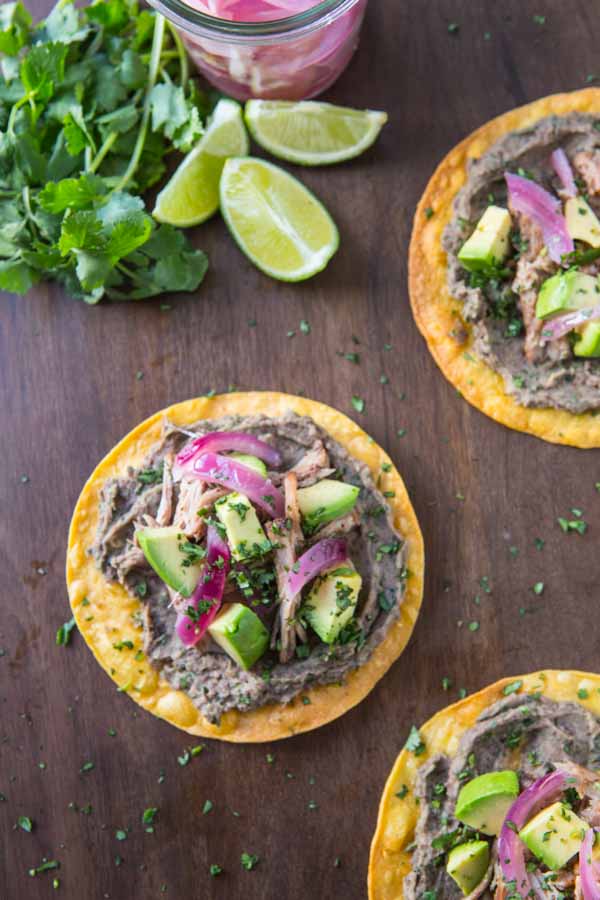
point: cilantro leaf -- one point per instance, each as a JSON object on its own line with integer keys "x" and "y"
{"x": 15, "y": 23}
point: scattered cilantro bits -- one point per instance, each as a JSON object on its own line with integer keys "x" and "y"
{"x": 92, "y": 101}
{"x": 249, "y": 861}
{"x": 63, "y": 635}
{"x": 358, "y": 403}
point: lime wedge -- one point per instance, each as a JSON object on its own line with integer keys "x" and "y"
{"x": 192, "y": 194}
{"x": 276, "y": 221}
{"x": 312, "y": 134}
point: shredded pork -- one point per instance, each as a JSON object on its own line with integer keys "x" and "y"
{"x": 164, "y": 513}
{"x": 587, "y": 163}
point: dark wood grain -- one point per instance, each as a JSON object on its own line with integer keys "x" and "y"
{"x": 69, "y": 392}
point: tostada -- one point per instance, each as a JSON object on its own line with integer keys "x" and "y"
{"x": 246, "y": 566}
{"x": 497, "y": 796}
{"x": 505, "y": 266}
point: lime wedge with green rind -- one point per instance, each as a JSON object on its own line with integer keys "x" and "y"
{"x": 311, "y": 133}
{"x": 192, "y": 194}
{"x": 276, "y": 221}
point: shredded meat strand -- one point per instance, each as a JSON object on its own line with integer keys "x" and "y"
{"x": 164, "y": 513}
{"x": 533, "y": 267}
{"x": 344, "y": 525}
{"x": 587, "y": 163}
{"x": 313, "y": 467}
{"x": 283, "y": 534}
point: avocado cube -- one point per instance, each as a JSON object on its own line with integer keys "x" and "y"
{"x": 253, "y": 462}
{"x": 582, "y": 221}
{"x": 588, "y": 343}
{"x": 245, "y": 534}
{"x": 165, "y": 550}
{"x": 565, "y": 292}
{"x": 484, "y": 801}
{"x": 241, "y": 634}
{"x": 489, "y": 244}
{"x": 554, "y": 835}
{"x": 325, "y": 501}
{"x": 467, "y": 864}
{"x": 332, "y": 600}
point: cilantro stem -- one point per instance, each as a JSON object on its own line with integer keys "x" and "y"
{"x": 183, "y": 58}
{"x": 104, "y": 149}
{"x": 155, "y": 56}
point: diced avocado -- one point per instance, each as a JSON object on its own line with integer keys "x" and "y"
{"x": 567, "y": 291}
{"x": 245, "y": 534}
{"x": 253, "y": 462}
{"x": 164, "y": 548}
{"x": 467, "y": 864}
{"x": 554, "y": 835}
{"x": 588, "y": 342}
{"x": 483, "y": 802}
{"x": 332, "y": 600}
{"x": 582, "y": 221}
{"x": 241, "y": 634}
{"x": 489, "y": 245}
{"x": 325, "y": 501}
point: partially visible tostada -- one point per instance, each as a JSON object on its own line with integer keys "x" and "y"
{"x": 497, "y": 797}
{"x": 505, "y": 264}
{"x": 246, "y": 566}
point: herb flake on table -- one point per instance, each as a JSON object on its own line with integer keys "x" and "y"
{"x": 63, "y": 635}
{"x": 249, "y": 861}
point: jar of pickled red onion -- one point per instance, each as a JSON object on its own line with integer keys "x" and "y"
{"x": 274, "y": 49}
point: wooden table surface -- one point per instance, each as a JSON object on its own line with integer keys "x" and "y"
{"x": 70, "y": 389}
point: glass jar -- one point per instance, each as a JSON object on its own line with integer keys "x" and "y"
{"x": 291, "y": 58}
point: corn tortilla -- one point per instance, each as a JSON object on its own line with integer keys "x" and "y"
{"x": 390, "y": 860}
{"x": 103, "y": 610}
{"x": 436, "y": 312}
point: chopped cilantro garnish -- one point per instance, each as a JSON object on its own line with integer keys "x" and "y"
{"x": 358, "y": 403}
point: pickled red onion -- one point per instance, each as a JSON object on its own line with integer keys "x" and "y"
{"x": 510, "y": 848}
{"x": 230, "y": 473}
{"x": 210, "y": 589}
{"x": 562, "y": 167}
{"x": 587, "y": 874}
{"x": 529, "y": 198}
{"x": 325, "y": 553}
{"x": 222, "y": 441}
{"x": 556, "y": 328}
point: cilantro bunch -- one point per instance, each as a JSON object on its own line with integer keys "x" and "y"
{"x": 92, "y": 102}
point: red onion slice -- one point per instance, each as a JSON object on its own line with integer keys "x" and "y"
{"x": 236, "y": 476}
{"x": 560, "y": 325}
{"x": 221, "y": 442}
{"x": 323, "y": 555}
{"x": 533, "y": 201}
{"x": 587, "y": 873}
{"x": 510, "y": 847}
{"x": 562, "y": 167}
{"x": 210, "y": 589}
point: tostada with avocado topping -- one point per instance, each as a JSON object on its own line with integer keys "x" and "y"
{"x": 246, "y": 566}
{"x": 497, "y": 796}
{"x": 505, "y": 268}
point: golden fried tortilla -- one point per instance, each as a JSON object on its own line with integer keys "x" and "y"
{"x": 103, "y": 610}
{"x": 437, "y": 313}
{"x": 390, "y": 859}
